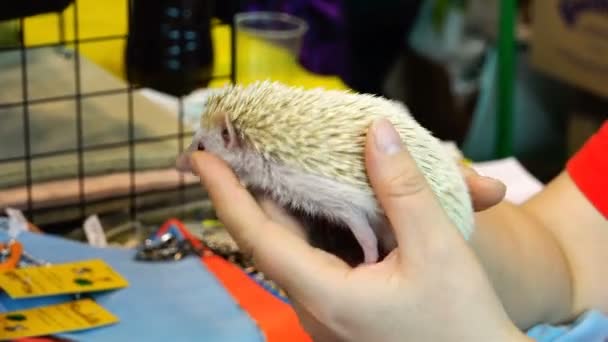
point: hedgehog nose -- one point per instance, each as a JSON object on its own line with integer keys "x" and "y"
{"x": 201, "y": 146}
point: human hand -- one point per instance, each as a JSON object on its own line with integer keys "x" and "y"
{"x": 485, "y": 192}
{"x": 430, "y": 288}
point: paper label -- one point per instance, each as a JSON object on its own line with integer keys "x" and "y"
{"x": 54, "y": 319}
{"x": 16, "y": 214}
{"x": 94, "y": 232}
{"x": 521, "y": 185}
{"x": 17, "y": 223}
{"x": 56, "y": 279}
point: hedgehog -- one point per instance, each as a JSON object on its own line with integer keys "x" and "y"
{"x": 304, "y": 150}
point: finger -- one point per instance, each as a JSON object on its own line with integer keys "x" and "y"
{"x": 182, "y": 162}
{"x": 303, "y": 271}
{"x": 408, "y": 201}
{"x": 485, "y": 192}
{"x": 314, "y": 326}
{"x": 281, "y": 217}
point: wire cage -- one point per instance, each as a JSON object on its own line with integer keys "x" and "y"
{"x": 27, "y": 161}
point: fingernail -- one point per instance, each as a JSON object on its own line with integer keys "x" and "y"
{"x": 490, "y": 179}
{"x": 387, "y": 139}
{"x": 492, "y": 182}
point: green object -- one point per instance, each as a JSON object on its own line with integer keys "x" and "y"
{"x": 83, "y": 282}
{"x": 506, "y": 77}
{"x": 441, "y": 9}
{"x": 9, "y": 33}
{"x": 16, "y": 317}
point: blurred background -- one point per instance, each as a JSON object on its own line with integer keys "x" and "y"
{"x": 99, "y": 96}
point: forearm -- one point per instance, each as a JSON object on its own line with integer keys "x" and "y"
{"x": 582, "y": 233}
{"x": 525, "y": 264}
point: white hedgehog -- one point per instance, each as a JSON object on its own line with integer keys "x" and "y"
{"x": 305, "y": 150}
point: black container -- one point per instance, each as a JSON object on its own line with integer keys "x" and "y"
{"x": 169, "y": 47}
{"x": 26, "y": 8}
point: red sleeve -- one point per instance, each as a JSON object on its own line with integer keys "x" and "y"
{"x": 588, "y": 168}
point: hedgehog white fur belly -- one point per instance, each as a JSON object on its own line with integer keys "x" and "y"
{"x": 305, "y": 150}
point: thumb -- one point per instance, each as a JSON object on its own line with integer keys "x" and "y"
{"x": 411, "y": 207}
{"x": 485, "y": 192}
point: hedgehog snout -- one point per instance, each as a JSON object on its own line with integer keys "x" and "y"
{"x": 201, "y": 146}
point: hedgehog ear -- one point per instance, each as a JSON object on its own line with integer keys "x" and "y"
{"x": 229, "y": 135}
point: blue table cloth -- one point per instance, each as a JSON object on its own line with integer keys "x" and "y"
{"x": 165, "y": 300}
{"x": 183, "y": 301}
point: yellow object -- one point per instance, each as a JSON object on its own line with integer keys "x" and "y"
{"x": 466, "y": 162}
{"x": 109, "y": 18}
{"x": 54, "y": 319}
{"x": 68, "y": 278}
{"x": 209, "y": 223}
{"x": 259, "y": 58}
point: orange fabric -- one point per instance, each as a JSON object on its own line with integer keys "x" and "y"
{"x": 275, "y": 318}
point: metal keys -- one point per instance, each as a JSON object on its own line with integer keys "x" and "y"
{"x": 14, "y": 255}
{"x": 168, "y": 246}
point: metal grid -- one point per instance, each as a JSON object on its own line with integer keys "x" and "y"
{"x": 78, "y": 96}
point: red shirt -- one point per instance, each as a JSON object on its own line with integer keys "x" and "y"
{"x": 588, "y": 168}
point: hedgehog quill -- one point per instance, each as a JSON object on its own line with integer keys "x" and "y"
{"x": 304, "y": 149}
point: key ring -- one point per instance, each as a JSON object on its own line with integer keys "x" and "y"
{"x": 10, "y": 255}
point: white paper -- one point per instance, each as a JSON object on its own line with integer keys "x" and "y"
{"x": 521, "y": 185}
{"x": 17, "y": 222}
{"x": 94, "y": 232}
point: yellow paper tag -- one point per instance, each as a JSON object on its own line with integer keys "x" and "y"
{"x": 75, "y": 277}
{"x": 54, "y": 319}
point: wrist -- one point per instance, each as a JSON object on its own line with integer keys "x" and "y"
{"x": 514, "y": 334}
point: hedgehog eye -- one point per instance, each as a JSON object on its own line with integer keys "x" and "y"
{"x": 226, "y": 135}
{"x": 201, "y": 146}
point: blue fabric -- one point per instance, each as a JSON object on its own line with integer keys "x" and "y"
{"x": 589, "y": 327}
{"x": 165, "y": 301}
{"x": 182, "y": 301}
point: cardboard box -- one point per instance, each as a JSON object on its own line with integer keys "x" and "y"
{"x": 570, "y": 42}
{"x": 580, "y": 127}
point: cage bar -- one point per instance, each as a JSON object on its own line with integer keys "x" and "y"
{"x": 73, "y": 46}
